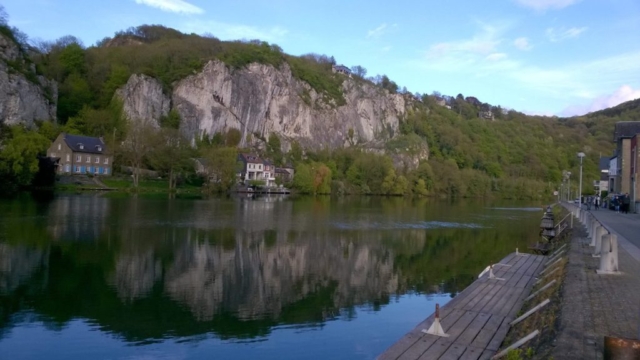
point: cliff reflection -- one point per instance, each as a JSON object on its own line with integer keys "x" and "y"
{"x": 147, "y": 269}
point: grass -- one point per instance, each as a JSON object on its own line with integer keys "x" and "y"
{"x": 146, "y": 185}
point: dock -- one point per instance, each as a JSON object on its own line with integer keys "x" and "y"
{"x": 476, "y": 320}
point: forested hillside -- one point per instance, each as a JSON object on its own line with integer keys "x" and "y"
{"x": 512, "y": 155}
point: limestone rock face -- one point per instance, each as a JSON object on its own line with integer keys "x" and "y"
{"x": 260, "y": 99}
{"x": 143, "y": 99}
{"x": 23, "y": 100}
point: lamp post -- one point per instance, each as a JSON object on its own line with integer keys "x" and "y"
{"x": 569, "y": 191}
{"x": 580, "y": 155}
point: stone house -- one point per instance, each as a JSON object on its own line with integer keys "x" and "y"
{"x": 255, "y": 168}
{"x": 622, "y": 135}
{"x": 341, "y": 69}
{"x": 78, "y": 154}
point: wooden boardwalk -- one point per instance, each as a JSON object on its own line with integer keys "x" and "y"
{"x": 477, "y": 320}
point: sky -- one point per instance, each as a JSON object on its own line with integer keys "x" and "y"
{"x": 544, "y": 57}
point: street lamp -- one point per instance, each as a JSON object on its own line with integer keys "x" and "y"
{"x": 569, "y": 191}
{"x": 580, "y": 155}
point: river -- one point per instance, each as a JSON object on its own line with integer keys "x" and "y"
{"x": 107, "y": 276}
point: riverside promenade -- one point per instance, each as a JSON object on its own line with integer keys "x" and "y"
{"x": 595, "y": 305}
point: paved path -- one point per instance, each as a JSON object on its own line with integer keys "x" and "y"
{"x": 598, "y": 305}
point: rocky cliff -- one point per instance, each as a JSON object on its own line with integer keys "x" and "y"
{"x": 260, "y": 99}
{"x": 24, "y": 96}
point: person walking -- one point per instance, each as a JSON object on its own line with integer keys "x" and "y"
{"x": 596, "y": 202}
{"x": 616, "y": 203}
{"x": 625, "y": 203}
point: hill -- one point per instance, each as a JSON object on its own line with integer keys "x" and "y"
{"x": 345, "y": 134}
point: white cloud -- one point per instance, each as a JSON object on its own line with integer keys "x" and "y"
{"x": 225, "y": 31}
{"x": 496, "y": 56}
{"x": 176, "y": 6}
{"x": 522, "y": 43}
{"x": 542, "y": 5}
{"x": 622, "y": 94}
{"x": 556, "y": 35}
{"x": 481, "y": 44}
{"x": 380, "y": 30}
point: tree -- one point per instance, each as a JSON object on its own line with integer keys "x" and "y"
{"x": 359, "y": 71}
{"x": 171, "y": 154}
{"x": 303, "y": 179}
{"x": 233, "y": 137}
{"x": 222, "y": 167}
{"x": 19, "y": 158}
{"x": 135, "y": 149}
{"x": 274, "y": 150}
{"x": 295, "y": 153}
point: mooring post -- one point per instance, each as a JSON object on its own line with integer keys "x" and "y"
{"x": 436, "y": 328}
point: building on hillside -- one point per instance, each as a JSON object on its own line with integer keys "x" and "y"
{"x": 486, "y": 114}
{"x": 623, "y": 133}
{"x": 603, "y": 183}
{"x": 341, "y": 69}
{"x": 440, "y": 101}
{"x": 81, "y": 155}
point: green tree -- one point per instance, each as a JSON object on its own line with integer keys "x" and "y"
{"x": 303, "y": 180}
{"x": 222, "y": 167}
{"x": 171, "y": 154}
{"x": 232, "y": 137}
{"x": 274, "y": 150}
{"x": 19, "y": 158}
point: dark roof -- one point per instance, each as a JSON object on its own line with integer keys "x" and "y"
{"x": 604, "y": 163}
{"x": 251, "y": 158}
{"x": 89, "y": 144}
{"x": 626, "y": 129}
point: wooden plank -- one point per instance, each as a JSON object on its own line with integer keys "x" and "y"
{"x": 400, "y": 346}
{"x": 426, "y": 340}
{"x": 454, "y": 352}
{"x": 442, "y": 344}
{"x": 484, "y": 296}
{"x": 473, "y": 353}
{"x": 488, "y": 331}
{"x": 470, "y": 333}
{"x": 499, "y": 335}
{"x": 477, "y": 319}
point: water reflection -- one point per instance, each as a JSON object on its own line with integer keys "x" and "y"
{"x": 148, "y": 269}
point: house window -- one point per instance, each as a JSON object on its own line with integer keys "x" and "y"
{"x": 67, "y": 168}
{"x": 77, "y": 169}
{"x": 99, "y": 147}
{"x": 78, "y": 158}
{"x": 53, "y": 154}
{"x": 97, "y": 159}
{"x": 106, "y": 170}
{"x": 80, "y": 146}
{"x": 88, "y": 158}
{"x": 106, "y": 161}
{"x": 59, "y": 146}
{"x": 68, "y": 158}
{"x": 96, "y": 170}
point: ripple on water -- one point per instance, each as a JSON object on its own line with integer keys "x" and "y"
{"x": 406, "y": 225}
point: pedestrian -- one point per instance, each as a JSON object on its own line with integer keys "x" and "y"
{"x": 625, "y": 203}
{"x": 616, "y": 203}
{"x": 596, "y": 202}
{"x": 589, "y": 203}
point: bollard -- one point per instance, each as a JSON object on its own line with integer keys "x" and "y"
{"x": 600, "y": 231}
{"x": 596, "y": 233}
{"x": 436, "y": 328}
{"x": 598, "y": 249}
{"x": 594, "y": 224}
{"x": 609, "y": 255}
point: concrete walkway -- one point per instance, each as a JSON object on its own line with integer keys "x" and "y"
{"x": 598, "y": 305}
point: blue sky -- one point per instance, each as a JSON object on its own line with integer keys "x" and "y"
{"x": 550, "y": 57}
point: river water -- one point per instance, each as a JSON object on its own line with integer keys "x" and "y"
{"x": 119, "y": 277}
